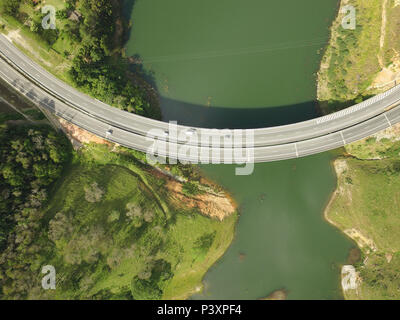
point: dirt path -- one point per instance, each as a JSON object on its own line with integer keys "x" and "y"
{"x": 388, "y": 74}
{"x": 383, "y": 33}
{"x": 15, "y": 37}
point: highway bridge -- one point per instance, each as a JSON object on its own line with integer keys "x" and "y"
{"x": 140, "y": 133}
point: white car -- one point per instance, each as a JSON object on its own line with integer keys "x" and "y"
{"x": 191, "y": 132}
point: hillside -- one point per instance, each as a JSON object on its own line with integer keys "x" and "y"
{"x": 112, "y": 226}
{"x": 362, "y": 62}
{"x": 357, "y": 64}
{"x": 85, "y": 49}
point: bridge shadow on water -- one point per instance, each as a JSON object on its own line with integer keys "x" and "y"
{"x": 236, "y": 118}
{"x": 214, "y": 116}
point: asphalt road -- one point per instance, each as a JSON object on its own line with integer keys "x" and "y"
{"x": 132, "y": 131}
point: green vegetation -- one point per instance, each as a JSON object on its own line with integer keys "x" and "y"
{"x": 372, "y": 148}
{"x": 365, "y": 204}
{"x": 34, "y": 114}
{"x": 107, "y": 225}
{"x": 30, "y": 160}
{"x": 191, "y": 189}
{"x": 4, "y": 117}
{"x": 392, "y": 43}
{"x": 84, "y": 49}
{"x": 351, "y": 61}
{"x": 14, "y": 107}
{"x": 381, "y": 278}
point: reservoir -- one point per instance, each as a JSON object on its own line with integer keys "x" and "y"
{"x": 244, "y": 64}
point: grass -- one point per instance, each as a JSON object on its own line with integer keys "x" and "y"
{"x": 38, "y": 50}
{"x": 381, "y": 279}
{"x": 57, "y": 50}
{"x": 368, "y": 200}
{"x": 392, "y": 44}
{"x": 49, "y": 57}
{"x": 366, "y": 203}
{"x": 372, "y": 148}
{"x": 99, "y": 249}
{"x": 351, "y": 60}
{"x": 25, "y": 109}
{"x": 192, "y": 266}
{"x": 7, "y": 113}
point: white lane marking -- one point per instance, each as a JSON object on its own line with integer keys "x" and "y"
{"x": 362, "y": 135}
{"x": 138, "y": 146}
{"x": 128, "y": 143}
{"x": 329, "y": 117}
{"x": 344, "y": 141}
{"x": 326, "y": 147}
{"x": 357, "y": 136}
{"x": 368, "y": 128}
{"x": 390, "y": 124}
{"x": 46, "y": 74}
{"x": 297, "y": 151}
{"x": 62, "y": 85}
{"x": 365, "y": 135}
{"x": 357, "y": 107}
{"x": 72, "y": 119}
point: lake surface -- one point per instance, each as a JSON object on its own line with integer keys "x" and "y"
{"x": 242, "y": 64}
{"x": 232, "y": 63}
{"x": 282, "y": 240}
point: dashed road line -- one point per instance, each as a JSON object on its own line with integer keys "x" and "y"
{"x": 297, "y": 151}
{"x": 390, "y": 124}
{"x": 344, "y": 141}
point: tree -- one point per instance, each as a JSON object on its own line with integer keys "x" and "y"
{"x": 11, "y": 7}
{"x": 145, "y": 289}
{"x": 93, "y": 193}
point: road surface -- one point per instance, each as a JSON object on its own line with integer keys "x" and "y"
{"x": 132, "y": 131}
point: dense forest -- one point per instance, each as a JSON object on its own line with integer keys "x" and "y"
{"x": 103, "y": 219}
{"x": 94, "y": 33}
{"x": 31, "y": 159}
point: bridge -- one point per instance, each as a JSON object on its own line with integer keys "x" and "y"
{"x": 140, "y": 133}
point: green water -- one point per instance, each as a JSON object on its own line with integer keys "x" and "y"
{"x": 232, "y": 63}
{"x": 240, "y": 64}
{"x": 284, "y": 240}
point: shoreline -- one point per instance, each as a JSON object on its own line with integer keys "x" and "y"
{"x": 323, "y": 51}
{"x": 326, "y": 217}
{"x": 324, "y": 64}
{"x": 58, "y": 65}
{"x": 333, "y": 197}
{"x": 372, "y": 56}
{"x": 323, "y": 107}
